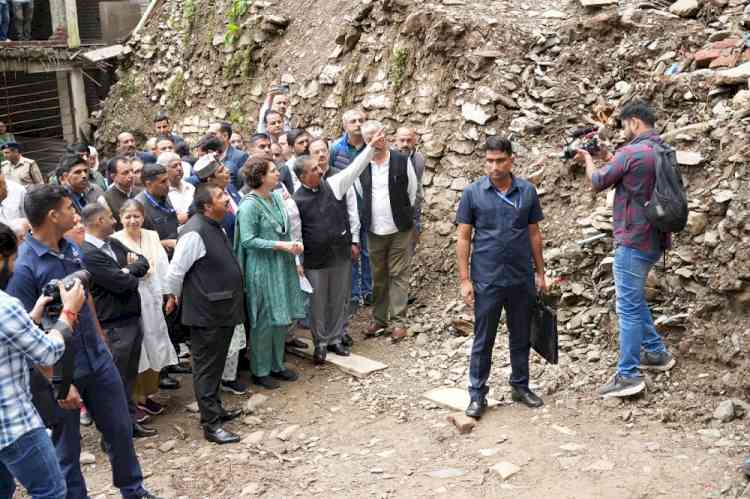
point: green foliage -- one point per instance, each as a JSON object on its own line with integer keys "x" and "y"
{"x": 397, "y": 70}
{"x": 236, "y": 11}
{"x": 236, "y": 114}
{"x": 188, "y": 10}
{"x": 239, "y": 64}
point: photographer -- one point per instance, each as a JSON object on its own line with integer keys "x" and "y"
{"x": 26, "y": 452}
{"x": 47, "y": 255}
{"x": 639, "y": 245}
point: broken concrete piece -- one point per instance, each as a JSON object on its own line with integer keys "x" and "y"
{"x": 474, "y": 113}
{"x": 685, "y": 8}
{"x": 453, "y": 398}
{"x": 287, "y": 432}
{"x": 356, "y": 365}
{"x": 689, "y": 158}
{"x": 505, "y": 469}
{"x": 463, "y": 423}
{"x": 734, "y": 76}
{"x": 257, "y": 400}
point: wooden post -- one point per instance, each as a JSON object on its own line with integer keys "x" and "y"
{"x": 71, "y": 16}
{"x": 57, "y": 13}
{"x": 66, "y": 107}
{"x": 80, "y": 108}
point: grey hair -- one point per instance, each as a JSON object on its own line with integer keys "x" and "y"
{"x": 299, "y": 165}
{"x": 351, "y": 114}
{"x": 369, "y": 128}
{"x": 166, "y": 158}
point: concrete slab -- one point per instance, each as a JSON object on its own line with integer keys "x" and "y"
{"x": 453, "y": 398}
{"x": 356, "y": 365}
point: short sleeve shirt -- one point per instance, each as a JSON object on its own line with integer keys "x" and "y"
{"x": 501, "y": 253}
{"x": 36, "y": 265}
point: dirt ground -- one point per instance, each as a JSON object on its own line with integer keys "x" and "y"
{"x": 376, "y": 437}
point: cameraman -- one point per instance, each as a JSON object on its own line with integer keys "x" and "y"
{"x": 47, "y": 255}
{"x": 26, "y": 452}
{"x": 638, "y": 246}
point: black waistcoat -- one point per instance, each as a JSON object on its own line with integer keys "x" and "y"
{"x": 325, "y": 226}
{"x": 398, "y": 191}
{"x": 212, "y": 292}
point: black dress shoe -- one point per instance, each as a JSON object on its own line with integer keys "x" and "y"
{"x": 319, "y": 356}
{"x": 285, "y": 375}
{"x": 230, "y": 415}
{"x": 339, "y": 349}
{"x": 476, "y": 408}
{"x": 526, "y": 397}
{"x": 167, "y": 383}
{"x": 179, "y": 369}
{"x": 347, "y": 340}
{"x": 298, "y": 344}
{"x": 266, "y": 382}
{"x": 140, "y": 431}
{"x": 219, "y": 435}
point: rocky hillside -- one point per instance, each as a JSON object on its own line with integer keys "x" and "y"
{"x": 458, "y": 70}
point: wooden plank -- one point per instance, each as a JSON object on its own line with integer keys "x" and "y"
{"x": 356, "y": 365}
{"x": 71, "y": 16}
{"x": 104, "y": 53}
{"x": 598, "y": 3}
{"x": 453, "y": 398}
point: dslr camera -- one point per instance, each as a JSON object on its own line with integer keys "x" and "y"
{"x": 54, "y": 308}
{"x": 582, "y": 138}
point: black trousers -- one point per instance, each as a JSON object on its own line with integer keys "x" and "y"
{"x": 125, "y": 344}
{"x": 209, "y": 348}
{"x": 489, "y": 302}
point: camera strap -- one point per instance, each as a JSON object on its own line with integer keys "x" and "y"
{"x": 65, "y": 367}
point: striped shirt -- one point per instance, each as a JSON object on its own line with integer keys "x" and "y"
{"x": 22, "y": 345}
{"x": 632, "y": 173}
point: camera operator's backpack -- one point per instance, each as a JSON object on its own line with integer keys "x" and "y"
{"x": 667, "y": 210}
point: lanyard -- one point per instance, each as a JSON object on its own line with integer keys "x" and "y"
{"x": 157, "y": 205}
{"x": 506, "y": 199}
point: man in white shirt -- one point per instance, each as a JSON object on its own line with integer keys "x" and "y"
{"x": 12, "y": 195}
{"x": 180, "y": 192}
{"x": 388, "y": 187}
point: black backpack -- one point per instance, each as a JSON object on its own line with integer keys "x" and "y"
{"x": 667, "y": 210}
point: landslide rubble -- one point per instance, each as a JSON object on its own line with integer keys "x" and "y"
{"x": 460, "y": 70}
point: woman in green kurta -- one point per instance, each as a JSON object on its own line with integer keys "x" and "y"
{"x": 262, "y": 242}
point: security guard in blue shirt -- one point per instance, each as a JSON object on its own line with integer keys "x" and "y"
{"x": 502, "y": 213}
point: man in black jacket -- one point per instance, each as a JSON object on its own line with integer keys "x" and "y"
{"x": 115, "y": 272}
{"x": 205, "y": 273}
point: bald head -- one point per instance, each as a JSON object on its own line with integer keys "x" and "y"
{"x": 406, "y": 140}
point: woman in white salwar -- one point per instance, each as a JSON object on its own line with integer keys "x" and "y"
{"x": 157, "y": 351}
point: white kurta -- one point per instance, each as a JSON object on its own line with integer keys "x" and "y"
{"x": 157, "y": 351}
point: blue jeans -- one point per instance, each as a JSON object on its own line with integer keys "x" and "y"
{"x": 361, "y": 273}
{"x": 32, "y": 461}
{"x": 4, "y": 21}
{"x": 104, "y": 396}
{"x": 636, "y": 326}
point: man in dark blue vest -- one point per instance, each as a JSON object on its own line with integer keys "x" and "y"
{"x": 388, "y": 188}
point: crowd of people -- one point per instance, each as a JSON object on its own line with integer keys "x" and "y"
{"x": 216, "y": 253}
{"x": 220, "y": 251}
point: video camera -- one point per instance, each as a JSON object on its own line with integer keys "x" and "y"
{"x": 582, "y": 138}
{"x": 54, "y": 308}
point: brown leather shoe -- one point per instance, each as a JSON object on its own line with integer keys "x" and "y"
{"x": 398, "y": 334}
{"x": 374, "y": 330}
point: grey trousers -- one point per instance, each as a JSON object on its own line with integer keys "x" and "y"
{"x": 329, "y": 302}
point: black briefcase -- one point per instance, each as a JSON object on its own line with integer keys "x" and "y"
{"x": 544, "y": 330}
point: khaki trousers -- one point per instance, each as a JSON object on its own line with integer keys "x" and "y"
{"x": 390, "y": 260}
